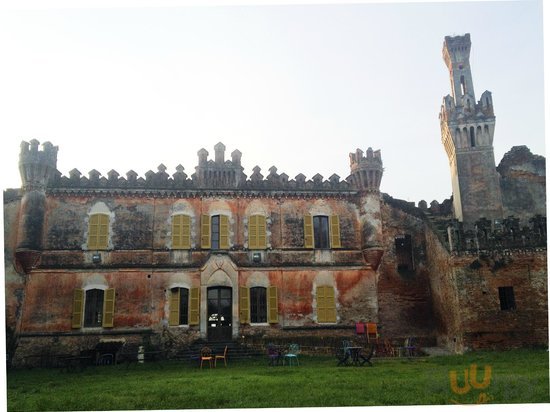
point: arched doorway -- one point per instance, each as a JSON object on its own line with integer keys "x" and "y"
{"x": 219, "y": 313}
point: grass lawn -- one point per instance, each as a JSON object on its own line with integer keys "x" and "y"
{"x": 519, "y": 376}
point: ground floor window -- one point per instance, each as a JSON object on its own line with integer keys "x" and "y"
{"x": 93, "y": 308}
{"x": 258, "y": 305}
{"x": 179, "y": 306}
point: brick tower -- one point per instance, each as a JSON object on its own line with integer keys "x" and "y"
{"x": 467, "y": 129}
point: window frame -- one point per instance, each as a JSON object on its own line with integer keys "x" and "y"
{"x": 98, "y": 231}
{"x": 258, "y": 306}
{"x": 507, "y": 298}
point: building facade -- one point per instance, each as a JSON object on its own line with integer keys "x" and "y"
{"x": 221, "y": 256}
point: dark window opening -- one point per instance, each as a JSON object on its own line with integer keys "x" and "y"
{"x": 258, "y": 305}
{"x": 463, "y": 85}
{"x": 184, "y": 305}
{"x": 472, "y": 137}
{"x": 403, "y": 253}
{"x": 215, "y": 232}
{"x": 321, "y": 232}
{"x": 507, "y": 299}
{"x": 93, "y": 309}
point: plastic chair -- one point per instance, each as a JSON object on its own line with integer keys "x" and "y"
{"x": 293, "y": 351}
{"x": 206, "y": 355}
{"x": 372, "y": 332}
{"x": 360, "y": 328}
{"x": 224, "y": 357}
{"x": 410, "y": 346}
{"x": 274, "y": 354}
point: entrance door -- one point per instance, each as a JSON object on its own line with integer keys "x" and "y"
{"x": 219, "y": 313}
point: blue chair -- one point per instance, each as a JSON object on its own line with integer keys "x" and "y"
{"x": 292, "y": 353}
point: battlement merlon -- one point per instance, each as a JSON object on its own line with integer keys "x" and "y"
{"x": 372, "y": 158}
{"x": 37, "y": 166}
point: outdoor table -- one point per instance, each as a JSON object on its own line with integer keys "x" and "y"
{"x": 353, "y": 355}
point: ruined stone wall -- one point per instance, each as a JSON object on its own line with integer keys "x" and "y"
{"x": 523, "y": 183}
{"x": 404, "y": 296}
{"x": 484, "y": 323}
{"x": 14, "y": 281}
{"x": 445, "y": 296}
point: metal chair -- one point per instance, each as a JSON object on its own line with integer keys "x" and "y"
{"x": 206, "y": 355}
{"x": 372, "y": 332}
{"x": 292, "y": 353}
{"x": 224, "y": 357}
{"x": 274, "y": 354}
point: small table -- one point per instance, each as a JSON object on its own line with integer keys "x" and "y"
{"x": 353, "y": 355}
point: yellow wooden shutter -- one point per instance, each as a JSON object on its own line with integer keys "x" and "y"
{"x": 326, "y": 304}
{"x": 205, "y": 232}
{"x": 253, "y": 232}
{"x": 308, "y": 231}
{"x": 181, "y": 232}
{"x": 98, "y": 231}
{"x": 335, "y": 232}
{"x": 185, "y": 232}
{"x": 244, "y": 304}
{"x": 108, "y": 308}
{"x": 262, "y": 232}
{"x": 78, "y": 306}
{"x": 272, "y": 305}
{"x": 174, "y": 316}
{"x": 176, "y": 232}
{"x": 224, "y": 232}
{"x": 194, "y": 306}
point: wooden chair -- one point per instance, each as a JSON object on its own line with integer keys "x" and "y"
{"x": 224, "y": 357}
{"x": 206, "y": 355}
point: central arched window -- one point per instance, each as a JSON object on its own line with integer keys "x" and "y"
{"x": 93, "y": 308}
{"x": 98, "y": 231}
{"x": 321, "y": 232}
{"x": 214, "y": 232}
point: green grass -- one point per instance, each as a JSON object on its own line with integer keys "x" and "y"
{"x": 519, "y": 376}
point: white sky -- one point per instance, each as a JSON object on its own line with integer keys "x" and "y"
{"x": 296, "y": 86}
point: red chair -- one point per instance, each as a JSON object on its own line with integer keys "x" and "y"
{"x": 360, "y": 328}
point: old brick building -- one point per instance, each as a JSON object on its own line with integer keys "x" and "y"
{"x": 222, "y": 256}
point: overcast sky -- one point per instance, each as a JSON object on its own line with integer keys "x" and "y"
{"x": 294, "y": 86}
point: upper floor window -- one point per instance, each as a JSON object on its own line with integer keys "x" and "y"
{"x": 181, "y": 232}
{"x": 98, "y": 231}
{"x": 215, "y": 232}
{"x": 322, "y": 232}
{"x": 404, "y": 253}
{"x": 257, "y": 232}
{"x": 93, "y": 308}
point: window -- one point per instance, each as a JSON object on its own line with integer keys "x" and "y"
{"x": 321, "y": 232}
{"x": 326, "y": 304}
{"x": 257, "y": 232}
{"x": 98, "y": 232}
{"x": 214, "y": 232}
{"x": 181, "y": 232}
{"x": 93, "y": 308}
{"x": 258, "y": 305}
{"x": 403, "y": 253}
{"x": 506, "y": 296}
{"x": 179, "y": 307}
{"x": 472, "y": 137}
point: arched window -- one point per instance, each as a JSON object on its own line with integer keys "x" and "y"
{"x": 322, "y": 232}
{"x": 472, "y": 137}
{"x": 214, "y": 232}
{"x": 326, "y": 304}
{"x": 463, "y": 85}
